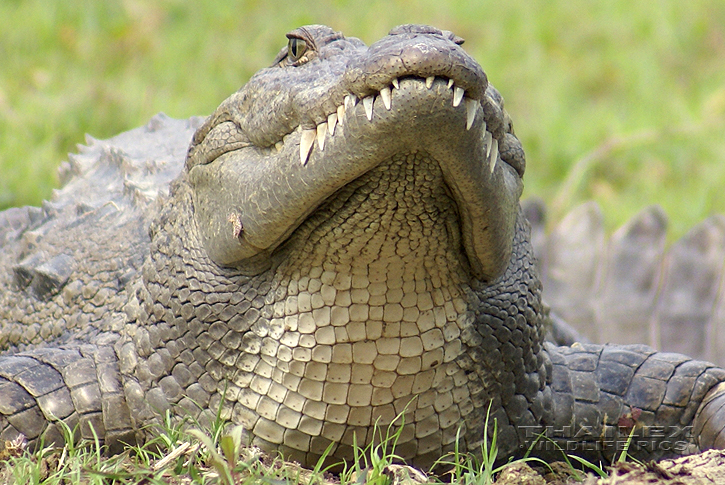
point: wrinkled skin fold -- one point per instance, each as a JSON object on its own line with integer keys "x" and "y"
{"x": 343, "y": 248}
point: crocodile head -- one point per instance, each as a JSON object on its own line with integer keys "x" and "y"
{"x": 331, "y": 110}
{"x": 357, "y": 207}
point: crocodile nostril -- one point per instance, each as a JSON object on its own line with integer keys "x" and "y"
{"x": 415, "y": 29}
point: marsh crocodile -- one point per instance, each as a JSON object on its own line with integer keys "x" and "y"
{"x": 340, "y": 247}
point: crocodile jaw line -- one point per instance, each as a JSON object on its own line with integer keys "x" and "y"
{"x": 438, "y": 119}
{"x": 385, "y": 95}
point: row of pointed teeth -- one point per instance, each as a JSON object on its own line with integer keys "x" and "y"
{"x": 320, "y": 133}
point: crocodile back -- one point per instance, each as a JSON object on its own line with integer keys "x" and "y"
{"x": 67, "y": 268}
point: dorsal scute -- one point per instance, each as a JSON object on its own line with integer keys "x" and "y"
{"x": 633, "y": 287}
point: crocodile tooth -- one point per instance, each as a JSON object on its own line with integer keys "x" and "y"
{"x": 429, "y": 81}
{"x": 484, "y": 125}
{"x": 396, "y": 83}
{"x": 487, "y": 137}
{"x": 279, "y": 146}
{"x": 368, "y": 105}
{"x": 450, "y": 83}
{"x": 385, "y": 94}
{"x": 331, "y": 123}
{"x": 340, "y": 113}
{"x": 306, "y": 141}
{"x": 350, "y": 101}
{"x": 457, "y": 96}
{"x": 321, "y": 129}
{"x": 493, "y": 156}
{"x": 471, "y": 109}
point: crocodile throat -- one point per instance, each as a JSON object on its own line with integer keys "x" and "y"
{"x": 367, "y": 323}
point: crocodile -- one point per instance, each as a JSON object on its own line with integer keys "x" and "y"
{"x": 340, "y": 249}
{"x": 632, "y": 287}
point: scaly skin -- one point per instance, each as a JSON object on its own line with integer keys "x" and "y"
{"x": 343, "y": 246}
{"x": 633, "y": 287}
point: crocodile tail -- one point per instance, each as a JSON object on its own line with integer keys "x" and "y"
{"x": 633, "y": 287}
{"x": 44, "y": 391}
{"x": 604, "y": 396}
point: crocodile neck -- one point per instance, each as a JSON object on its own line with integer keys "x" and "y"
{"x": 373, "y": 283}
{"x": 397, "y": 222}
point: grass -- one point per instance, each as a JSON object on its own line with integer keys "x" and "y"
{"x": 185, "y": 453}
{"x": 620, "y": 101}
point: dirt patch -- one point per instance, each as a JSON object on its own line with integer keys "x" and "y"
{"x": 706, "y": 468}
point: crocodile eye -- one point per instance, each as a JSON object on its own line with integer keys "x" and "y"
{"x": 296, "y": 48}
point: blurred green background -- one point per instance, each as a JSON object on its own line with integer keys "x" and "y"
{"x": 622, "y": 101}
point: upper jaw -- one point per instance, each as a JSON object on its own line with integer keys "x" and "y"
{"x": 400, "y": 106}
{"x": 277, "y": 101}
